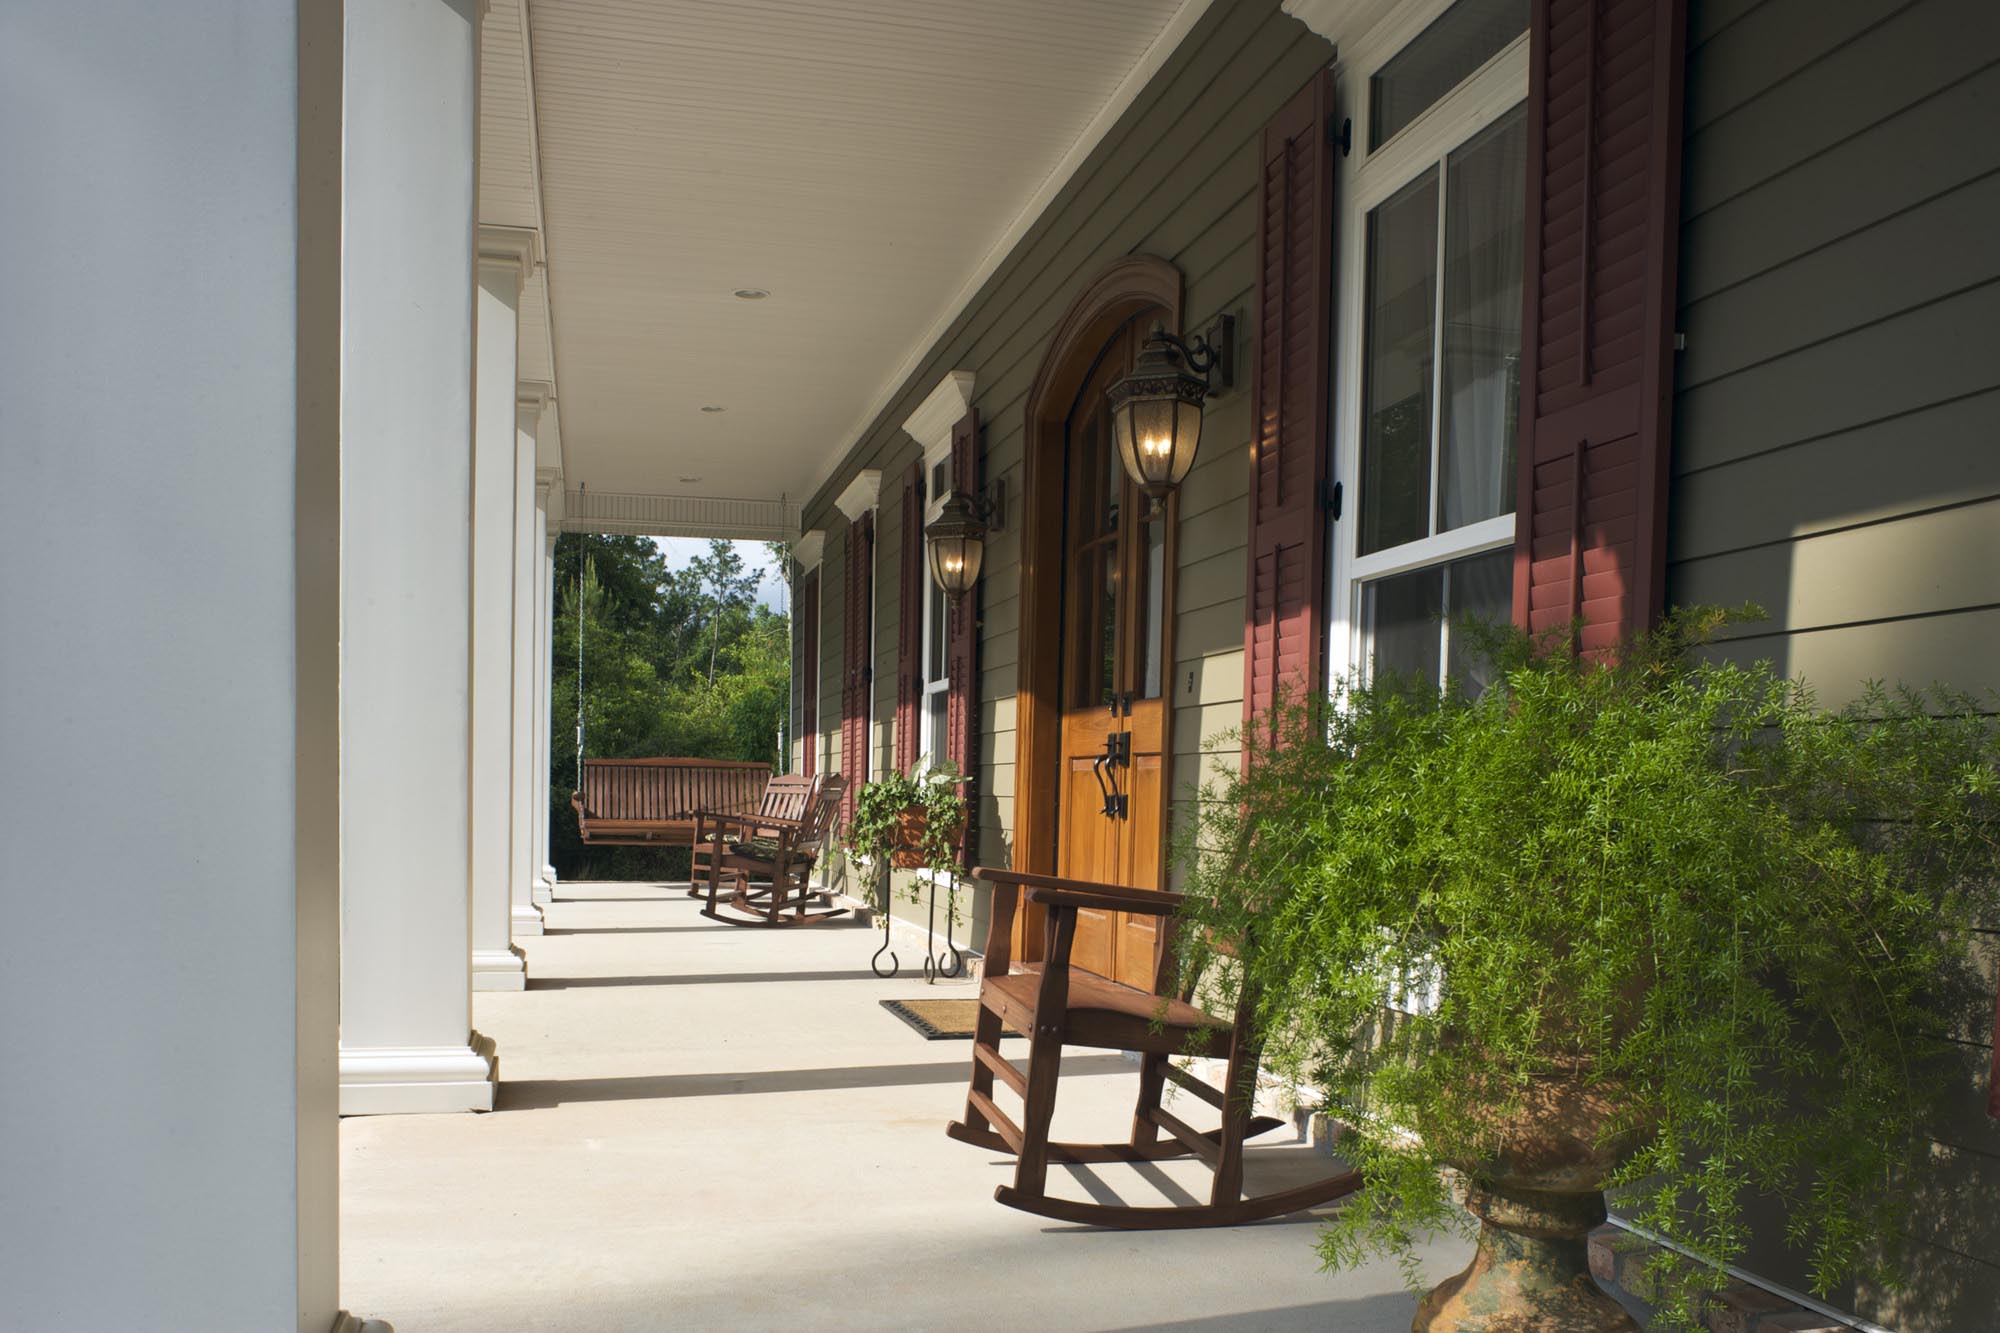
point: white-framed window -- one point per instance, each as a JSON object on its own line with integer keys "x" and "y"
{"x": 1430, "y": 242}
{"x": 936, "y": 673}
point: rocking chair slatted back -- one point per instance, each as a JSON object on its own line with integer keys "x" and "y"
{"x": 1059, "y": 1005}
{"x": 786, "y": 798}
{"x": 777, "y": 850}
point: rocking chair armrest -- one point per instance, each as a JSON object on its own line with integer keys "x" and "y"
{"x": 761, "y": 821}
{"x": 1151, "y": 904}
{"x": 1024, "y": 879}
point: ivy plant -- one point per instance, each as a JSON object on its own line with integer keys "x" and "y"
{"x": 875, "y": 830}
{"x": 1745, "y": 917}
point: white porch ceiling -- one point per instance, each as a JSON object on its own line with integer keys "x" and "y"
{"x": 865, "y": 161}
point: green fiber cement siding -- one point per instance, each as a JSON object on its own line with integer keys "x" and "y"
{"x": 1837, "y": 426}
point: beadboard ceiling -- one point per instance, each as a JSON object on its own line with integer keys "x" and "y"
{"x": 865, "y": 161}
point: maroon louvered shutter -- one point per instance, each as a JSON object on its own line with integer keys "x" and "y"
{"x": 1993, "y": 1075}
{"x": 858, "y": 676}
{"x": 1284, "y": 630}
{"x": 910, "y": 632}
{"x": 809, "y": 673}
{"x": 961, "y": 728}
{"x": 1604, "y": 155}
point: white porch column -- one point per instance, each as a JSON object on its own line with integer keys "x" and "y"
{"x": 545, "y": 615}
{"x": 524, "y": 867}
{"x": 504, "y": 259}
{"x": 406, "y": 1039}
{"x": 169, "y": 518}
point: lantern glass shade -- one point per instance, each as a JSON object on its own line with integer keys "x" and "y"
{"x": 957, "y": 541}
{"x": 1156, "y": 417}
{"x": 1157, "y": 438}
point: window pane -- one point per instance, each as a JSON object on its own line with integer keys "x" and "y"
{"x": 1154, "y": 568}
{"x": 1396, "y": 394}
{"x": 1402, "y": 615}
{"x": 1479, "y": 587}
{"x": 934, "y": 652}
{"x": 1104, "y": 632}
{"x": 934, "y": 723}
{"x": 1485, "y": 202}
{"x": 1440, "y": 58}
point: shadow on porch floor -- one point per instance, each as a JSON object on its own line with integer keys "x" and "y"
{"x": 674, "y": 1149}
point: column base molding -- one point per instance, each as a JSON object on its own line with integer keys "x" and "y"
{"x": 527, "y": 920}
{"x": 347, "y": 1323}
{"x": 499, "y": 969}
{"x": 542, "y": 892}
{"x": 403, "y": 1080}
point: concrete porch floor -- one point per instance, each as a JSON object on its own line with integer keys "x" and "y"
{"x": 701, "y": 1127}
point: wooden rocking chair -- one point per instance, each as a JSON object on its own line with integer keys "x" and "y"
{"x": 1058, "y": 1005}
{"x": 782, "y": 851}
{"x": 785, "y": 798}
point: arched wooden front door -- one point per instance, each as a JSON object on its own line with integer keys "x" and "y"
{"x": 1084, "y": 631}
{"x": 1112, "y": 795}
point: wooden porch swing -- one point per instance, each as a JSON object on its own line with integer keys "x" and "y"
{"x": 653, "y": 802}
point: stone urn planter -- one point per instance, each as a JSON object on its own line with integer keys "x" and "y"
{"x": 1537, "y": 1197}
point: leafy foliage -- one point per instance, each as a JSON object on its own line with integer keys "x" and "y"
{"x": 676, "y": 662}
{"x": 1741, "y": 917}
{"x": 875, "y": 830}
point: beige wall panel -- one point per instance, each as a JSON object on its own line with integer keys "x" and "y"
{"x": 1899, "y": 365}
{"x": 1773, "y": 42}
{"x": 1814, "y": 202}
{"x": 1943, "y": 455}
{"x": 1213, "y": 629}
{"x": 1917, "y": 51}
{"x": 1962, "y": 649}
{"x": 1939, "y": 561}
{"x": 1942, "y": 246}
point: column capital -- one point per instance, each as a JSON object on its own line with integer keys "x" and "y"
{"x": 546, "y": 481}
{"x": 531, "y": 399}
{"x": 862, "y": 494}
{"x": 515, "y": 248}
{"x": 808, "y": 549}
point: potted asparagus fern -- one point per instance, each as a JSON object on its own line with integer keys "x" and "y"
{"x": 1661, "y": 926}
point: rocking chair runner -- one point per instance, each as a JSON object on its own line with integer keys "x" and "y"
{"x": 785, "y": 797}
{"x": 782, "y": 851}
{"x": 1058, "y": 1005}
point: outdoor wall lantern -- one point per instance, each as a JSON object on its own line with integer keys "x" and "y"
{"x": 1156, "y": 409}
{"x": 957, "y": 537}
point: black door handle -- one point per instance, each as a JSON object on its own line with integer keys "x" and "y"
{"x": 1117, "y": 749}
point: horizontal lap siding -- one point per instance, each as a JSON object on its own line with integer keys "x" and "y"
{"x": 1837, "y": 425}
{"x": 1175, "y": 177}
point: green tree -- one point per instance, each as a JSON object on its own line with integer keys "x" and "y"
{"x": 727, "y": 587}
{"x": 674, "y": 662}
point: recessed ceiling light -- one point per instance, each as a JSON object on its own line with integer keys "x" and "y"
{"x": 689, "y": 481}
{"x": 751, "y": 293}
{"x": 714, "y": 407}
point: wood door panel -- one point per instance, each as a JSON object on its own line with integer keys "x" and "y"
{"x": 1146, "y": 802}
{"x": 1089, "y": 846}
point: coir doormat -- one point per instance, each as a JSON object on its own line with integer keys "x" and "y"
{"x": 939, "y": 1020}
